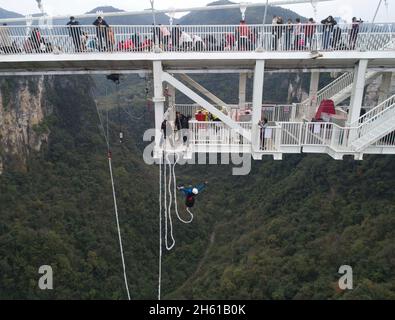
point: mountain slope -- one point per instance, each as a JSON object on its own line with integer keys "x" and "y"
{"x": 5, "y": 14}
{"x": 233, "y": 16}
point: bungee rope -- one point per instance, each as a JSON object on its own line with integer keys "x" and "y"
{"x": 109, "y": 155}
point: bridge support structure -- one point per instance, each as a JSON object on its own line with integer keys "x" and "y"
{"x": 242, "y": 89}
{"x": 257, "y": 97}
{"x": 314, "y": 83}
{"x": 357, "y": 91}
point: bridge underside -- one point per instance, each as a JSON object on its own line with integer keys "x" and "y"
{"x": 140, "y": 62}
{"x": 227, "y": 134}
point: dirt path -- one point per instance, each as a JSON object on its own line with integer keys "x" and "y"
{"x": 202, "y": 260}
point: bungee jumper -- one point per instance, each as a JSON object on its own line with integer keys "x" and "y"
{"x": 191, "y": 192}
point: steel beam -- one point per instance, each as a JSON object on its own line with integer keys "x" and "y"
{"x": 166, "y": 77}
{"x": 242, "y": 89}
{"x": 257, "y": 97}
{"x": 314, "y": 82}
{"x": 357, "y": 92}
{"x": 159, "y": 101}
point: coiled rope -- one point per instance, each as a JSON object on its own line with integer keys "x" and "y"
{"x": 166, "y": 186}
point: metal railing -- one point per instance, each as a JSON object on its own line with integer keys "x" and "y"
{"x": 376, "y": 111}
{"x": 368, "y": 121}
{"x": 386, "y": 141}
{"x": 216, "y": 133}
{"x": 341, "y": 84}
{"x": 283, "y": 134}
{"x": 188, "y": 110}
{"x": 270, "y": 138}
{"x": 198, "y": 38}
{"x": 273, "y": 113}
{"x": 291, "y": 133}
{"x": 336, "y": 86}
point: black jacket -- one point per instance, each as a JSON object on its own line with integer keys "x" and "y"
{"x": 103, "y": 23}
{"x": 74, "y": 30}
{"x": 329, "y": 24}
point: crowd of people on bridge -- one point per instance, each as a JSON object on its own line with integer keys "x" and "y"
{"x": 283, "y": 36}
{"x": 292, "y": 35}
{"x": 295, "y": 35}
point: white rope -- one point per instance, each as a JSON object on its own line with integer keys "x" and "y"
{"x": 175, "y": 195}
{"x": 167, "y": 209}
{"x": 168, "y": 216}
{"x": 118, "y": 227}
{"x": 133, "y": 118}
{"x": 106, "y": 137}
{"x": 168, "y": 219}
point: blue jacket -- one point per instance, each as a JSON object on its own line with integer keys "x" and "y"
{"x": 188, "y": 191}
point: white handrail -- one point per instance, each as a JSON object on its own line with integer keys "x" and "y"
{"x": 283, "y": 134}
{"x": 375, "y": 112}
{"x": 199, "y": 38}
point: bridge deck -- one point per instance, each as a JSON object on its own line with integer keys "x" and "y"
{"x": 42, "y": 63}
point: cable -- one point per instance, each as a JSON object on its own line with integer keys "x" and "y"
{"x": 133, "y": 118}
{"x": 117, "y": 83}
{"x": 106, "y": 137}
{"x": 118, "y": 227}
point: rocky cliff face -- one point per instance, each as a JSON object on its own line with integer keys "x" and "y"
{"x": 295, "y": 89}
{"x": 23, "y": 109}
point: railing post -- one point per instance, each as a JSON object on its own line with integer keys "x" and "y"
{"x": 293, "y": 112}
{"x": 278, "y": 136}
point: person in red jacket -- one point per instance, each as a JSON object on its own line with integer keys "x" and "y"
{"x": 243, "y": 34}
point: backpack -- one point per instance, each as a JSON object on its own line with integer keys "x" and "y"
{"x": 190, "y": 201}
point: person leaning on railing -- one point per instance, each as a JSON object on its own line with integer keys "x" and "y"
{"x": 309, "y": 32}
{"x": 75, "y": 33}
{"x": 289, "y": 30}
{"x": 110, "y": 39}
{"x": 101, "y": 32}
{"x": 243, "y": 34}
{"x": 354, "y": 33}
{"x": 164, "y": 36}
{"x": 298, "y": 32}
{"x": 328, "y": 25}
{"x": 175, "y": 37}
{"x": 5, "y": 39}
{"x": 277, "y": 31}
{"x": 32, "y": 44}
